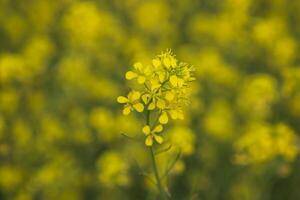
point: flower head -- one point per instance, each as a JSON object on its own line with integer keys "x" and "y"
{"x": 132, "y": 102}
{"x": 163, "y": 88}
{"x": 151, "y": 135}
{"x": 139, "y": 72}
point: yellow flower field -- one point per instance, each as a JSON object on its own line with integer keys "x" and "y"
{"x": 149, "y": 99}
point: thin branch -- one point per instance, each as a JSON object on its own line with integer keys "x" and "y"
{"x": 130, "y": 138}
{"x": 172, "y": 164}
{"x": 156, "y": 120}
{"x": 149, "y": 178}
{"x": 158, "y": 180}
{"x": 163, "y": 150}
{"x": 141, "y": 172}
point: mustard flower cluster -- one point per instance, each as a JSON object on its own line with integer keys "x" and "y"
{"x": 162, "y": 87}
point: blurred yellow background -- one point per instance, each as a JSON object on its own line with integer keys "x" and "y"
{"x": 62, "y": 65}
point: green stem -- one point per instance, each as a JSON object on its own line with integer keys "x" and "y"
{"x": 158, "y": 181}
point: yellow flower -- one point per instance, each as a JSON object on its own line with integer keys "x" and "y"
{"x": 164, "y": 90}
{"x": 153, "y": 98}
{"x": 155, "y": 83}
{"x": 163, "y": 119}
{"x": 174, "y": 113}
{"x": 156, "y": 63}
{"x": 154, "y": 101}
{"x": 151, "y": 135}
{"x": 170, "y": 95}
{"x": 176, "y": 81}
{"x": 132, "y": 102}
{"x": 140, "y": 73}
{"x": 168, "y": 59}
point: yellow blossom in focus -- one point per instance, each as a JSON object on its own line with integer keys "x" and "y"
{"x": 152, "y": 135}
{"x": 163, "y": 87}
{"x": 131, "y": 102}
{"x": 140, "y": 72}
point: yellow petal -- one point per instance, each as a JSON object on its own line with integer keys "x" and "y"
{"x": 158, "y": 129}
{"x": 158, "y": 139}
{"x": 151, "y": 106}
{"x": 174, "y": 114}
{"x": 146, "y": 130}
{"x": 133, "y": 96}
{"x": 170, "y": 96}
{"x": 130, "y": 75}
{"x": 147, "y": 71}
{"x": 126, "y": 110}
{"x": 180, "y": 82}
{"x": 163, "y": 119}
{"x": 167, "y": 62}
{"x": 122, "y": 99}
{"x": 161, "y": 77}
{"x": 173, "y": 62}
{"x": 149, "y": 141}
{"x": 138, "y": 107}
{"x": 154, "y": 84}
{"x": 138, "y": 66}
{"x": 156, "y": 62}
{"x": 161, "y": 104}
{"x": 174, "y": 80}
{"x": 141, "y": 79}
{"x": 146, "y": 98}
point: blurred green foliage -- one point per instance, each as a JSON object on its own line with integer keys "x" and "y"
{"x": 62, "y": 65}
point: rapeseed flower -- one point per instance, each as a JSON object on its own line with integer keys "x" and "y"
{"x": 140, "y": 72}
{"x": 152, "y": 134}
{"x": 131, "y": 102}
{"x": 163, "y": 89}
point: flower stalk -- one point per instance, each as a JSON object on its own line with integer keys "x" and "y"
{"x": 154, "y": 165}
{"x": 162, "y": 89}
{"x": 158, "y": 181}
